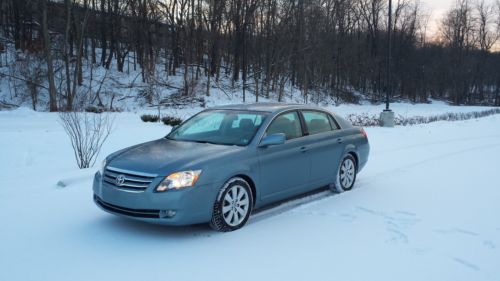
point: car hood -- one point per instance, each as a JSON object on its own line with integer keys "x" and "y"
{"x": 164, "y": 156}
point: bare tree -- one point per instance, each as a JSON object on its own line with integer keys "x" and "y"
{"x": 87, "y": 133}
{"x": 323, "y": 48}
{"x": 47, "y": 46}
{"x": 30, "y": 69}
{"x": 488, "y": 29}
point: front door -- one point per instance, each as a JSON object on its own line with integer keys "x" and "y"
{"x": 285, "y": 168}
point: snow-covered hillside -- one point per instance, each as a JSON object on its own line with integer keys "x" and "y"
{"x": 125, "y": 91}
{"x": 425, "y": 208}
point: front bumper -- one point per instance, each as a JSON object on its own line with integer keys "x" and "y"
{"x": 191, "y": 205}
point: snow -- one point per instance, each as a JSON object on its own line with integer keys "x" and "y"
{"x": 425, "y": 208}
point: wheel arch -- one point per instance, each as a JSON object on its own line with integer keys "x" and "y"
{"x": 351, "y": 150}
{"x": 355, "y": 155}
{"x": 239, "y": 176}
{"x": 250, "y": 182}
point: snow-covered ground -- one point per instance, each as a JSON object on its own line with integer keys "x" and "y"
{"x": 426, "y": 207}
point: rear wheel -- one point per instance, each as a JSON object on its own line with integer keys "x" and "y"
{"x": 346, "y": 174}
{"x": 233, "y": 206}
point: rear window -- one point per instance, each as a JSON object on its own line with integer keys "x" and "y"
{"x": 317, "y": 122}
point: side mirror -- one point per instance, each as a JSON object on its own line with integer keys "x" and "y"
{"x": 274, "y": 139}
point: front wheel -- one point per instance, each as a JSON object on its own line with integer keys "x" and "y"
{"x": 233, "y": 206}
{"x": 346, "y": 174}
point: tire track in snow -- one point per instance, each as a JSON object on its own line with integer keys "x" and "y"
{"x": 420, "y": 145}
{"x": 427, "y": 160}
{"x": 396, "y": 225}
{"x": 285, "y": 206}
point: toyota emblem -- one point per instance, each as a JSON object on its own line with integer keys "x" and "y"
{"x": 120, "y": 180}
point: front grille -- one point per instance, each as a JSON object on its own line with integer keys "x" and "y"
{"x": 139, "y": 213}
{"x": 128, "y": 179}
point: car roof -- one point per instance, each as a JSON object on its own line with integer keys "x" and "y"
{"x": 265, "y": 106}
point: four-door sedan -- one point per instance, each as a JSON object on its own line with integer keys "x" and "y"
{"x": 224, "y": 162}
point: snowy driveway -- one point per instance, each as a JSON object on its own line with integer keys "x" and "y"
{"x": 427, "y": 207}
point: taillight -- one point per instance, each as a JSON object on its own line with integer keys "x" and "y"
{"x": 363, "y": 132}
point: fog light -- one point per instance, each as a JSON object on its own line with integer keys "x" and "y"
{"x": 167, "y": 213}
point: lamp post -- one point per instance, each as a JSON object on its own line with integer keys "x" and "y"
{"x": 387, "y": 116}
{"x": 389, "y": 57}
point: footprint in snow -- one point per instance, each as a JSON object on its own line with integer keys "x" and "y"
{"x": 366, "y": 210}
{"x": 467, "y": 232}
{"x": 420, "y": 251}
{"x": 403, "y": 223}
{"x": 28, "y": 157}
{"x": 467, "y": 264}
{"x": 406, "y": 213}
{"x": 489, "y": 244}
{"x": 456, "y": 231}
{"x": 396, "y": 223}
{"x": 397, "y": 236}
{"x": 344, "y": 217}
{"x": 347, "y": 217}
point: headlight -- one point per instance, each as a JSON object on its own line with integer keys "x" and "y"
{"x": 179, "y": 180}
{"x": 103, "y": 165}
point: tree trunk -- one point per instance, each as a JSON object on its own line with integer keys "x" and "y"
{"x": 69, "y": 94}
{"x": 48, "y": 58}
{"x": 103, "y": 32}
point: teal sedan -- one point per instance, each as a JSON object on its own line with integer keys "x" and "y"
{"x": 224, "y": 162}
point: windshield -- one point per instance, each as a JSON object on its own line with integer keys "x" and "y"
{"x": 228, "y": 127}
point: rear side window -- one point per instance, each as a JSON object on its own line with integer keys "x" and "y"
{"x": 288, "y": 124}
{"x": 334, "y": 123}
{"x": 316, "y": 122}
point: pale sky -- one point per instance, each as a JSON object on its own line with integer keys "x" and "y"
{"x": 437, "y": 9}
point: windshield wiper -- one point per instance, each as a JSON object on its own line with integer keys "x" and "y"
{"x": 203, "y": 141}
{"x": 211, "y": 142}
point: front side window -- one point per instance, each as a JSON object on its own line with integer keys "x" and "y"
{"x": 227, "y": 127}
{"x": 288, "y": 124}
{"x": 316, "y": 122}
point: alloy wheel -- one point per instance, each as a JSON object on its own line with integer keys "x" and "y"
{"x": 347, "y": 173}
{"x": 236, "y": 205}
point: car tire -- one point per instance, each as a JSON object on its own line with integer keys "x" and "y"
{"x": 346, "y": 174}
{"x": 233, "y": 206}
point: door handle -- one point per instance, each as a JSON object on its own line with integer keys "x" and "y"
{"x": 303, "y": 149}
{"x": 340, "y": 140}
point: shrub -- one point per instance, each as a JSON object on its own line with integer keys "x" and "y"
{"x": 366, "y": 120}
{"x": 94, "y": 109}
{"x": 150, "y": 118}
{"x": 363, "y": 120}
{"x": 87, "y": 133}
{"x": 171, "y": 120}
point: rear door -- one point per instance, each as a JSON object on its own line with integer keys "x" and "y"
{"x": 325, "y": 143}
